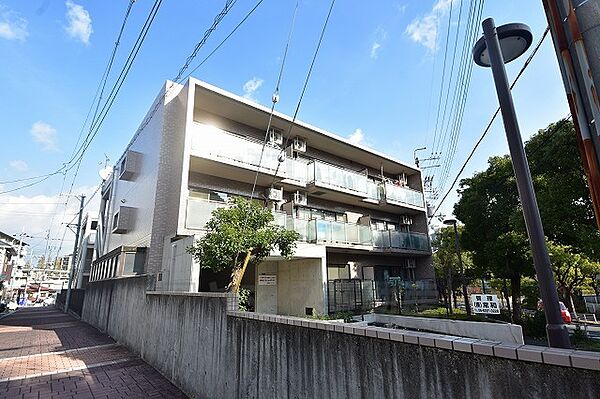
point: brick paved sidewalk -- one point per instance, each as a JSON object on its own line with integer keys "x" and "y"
{"x": 46, "y": 354}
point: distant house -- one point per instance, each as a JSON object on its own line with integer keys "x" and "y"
{"x": 12, "y": 254}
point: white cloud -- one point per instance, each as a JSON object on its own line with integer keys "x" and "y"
{"x": 45, "y": 135}
{"x": 12, "y": 26}
{"x": 80, "y": 22}
{"x": 19, "y": 165}
{"x": 424, "y": 30}
{"x": 380, "y": 37}
{"x": 357, "y": 137}
{"x": 33, "y": 214}
{"x": 251, "y": 86}
{"x": 374, "y": 48}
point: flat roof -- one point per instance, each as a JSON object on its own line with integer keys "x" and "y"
{"x": 346, "y": 149}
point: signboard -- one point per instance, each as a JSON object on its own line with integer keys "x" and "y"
{"x": 484, "y": 303}
{"x": 267, "y": 279}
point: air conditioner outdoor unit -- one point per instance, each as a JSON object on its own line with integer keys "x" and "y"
{"x": 299, "y": 144}
{"x": 274, "y": 194}
{"x": 123, "y": 220}
{"x": 130, "y": 165}
{"x": 300, "y": 198}
{"x": 411, "y": 263}
{"x": 406, "y": 220}
{"x": 275, "y": 136}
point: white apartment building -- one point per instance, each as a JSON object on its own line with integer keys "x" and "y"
{"x": 360, "y": 213}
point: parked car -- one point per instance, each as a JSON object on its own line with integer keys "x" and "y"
{"x": 564, "y": 312}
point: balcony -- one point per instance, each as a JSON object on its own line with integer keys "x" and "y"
{"x": 199, "y": 212}
{"x": 245, "y": 152}
{"x": 321, "y": 231}
{"x": 403, "y": 195}
{"x": 330, "y": 176}
{"x": 393, "y": 239}
{"x": 324, "y": 231}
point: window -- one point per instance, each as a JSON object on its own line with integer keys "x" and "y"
{"x": 94, "y": 225}
{"x": 335, "y": 272}
{"x": 319, "y": 214}
{"x": 208, "y": 195}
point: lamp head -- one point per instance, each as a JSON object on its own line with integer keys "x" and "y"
{"x": 514, "y": 39}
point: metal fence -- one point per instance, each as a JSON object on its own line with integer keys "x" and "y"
{"x": 350, "y": 295}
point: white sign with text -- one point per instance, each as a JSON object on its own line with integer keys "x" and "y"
{"x": 485, "y": 303}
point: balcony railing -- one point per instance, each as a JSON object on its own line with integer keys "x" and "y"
{"x": 403, "y": 195}
{"x": 199, "y": 212}
{"x": 343, "y": 233}
{"x": 121, "y": 261}
{"x": 217, "y": 144}
{"x": 327, "y": 175}
{"x": 400, "y": 240}
{"x": 325, "y": 231}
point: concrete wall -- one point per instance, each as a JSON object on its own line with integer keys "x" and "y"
{"x": 300, "y": 285}
{"x": 503, "y": 332}
{"x": 211, "y": 353}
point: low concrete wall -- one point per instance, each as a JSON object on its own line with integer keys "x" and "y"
{"x": 210, "y": 351}
{"x": 75, "y": 303}
{"x": 502, "y": 332}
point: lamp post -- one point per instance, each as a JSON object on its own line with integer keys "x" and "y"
{"x": 452, "y": 222}
{"x": 494, "y": 49}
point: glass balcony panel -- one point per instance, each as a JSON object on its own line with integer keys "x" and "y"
{"x": 372, "y": 190}
{"x": 239, "y": 150}
{"x": 338, "y": 232}
{"x": 403, "y": 195}
{"x": 337, "y": 177}
{"x": 199, "y": 212}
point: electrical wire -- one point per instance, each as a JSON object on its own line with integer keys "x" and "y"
{"x": 489, "y": 125}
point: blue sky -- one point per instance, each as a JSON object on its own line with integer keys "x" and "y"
{"x": 372, "y": 81}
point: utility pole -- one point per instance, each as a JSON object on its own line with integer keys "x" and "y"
{"x": 576, "y": 34}
{"x": 75, "y": 248}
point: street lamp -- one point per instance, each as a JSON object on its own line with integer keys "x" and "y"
{"x": 452, "y": 222}
{"x": 494, "y": 49}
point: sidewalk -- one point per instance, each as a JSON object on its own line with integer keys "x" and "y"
{"x": 47, "y": 354}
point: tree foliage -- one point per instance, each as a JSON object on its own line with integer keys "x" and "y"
{"x": 242, "y": 233}
{"x": 571, "y": 270}
{"x": 490, "y": 209}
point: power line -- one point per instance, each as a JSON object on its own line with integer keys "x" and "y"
{"x": 489, "y": 125}
{"x": 305, "y": 85}
{"x": 439, "y": 106}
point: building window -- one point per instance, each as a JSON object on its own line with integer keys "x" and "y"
{"x": 336, "y": 272}
{"x": 208, "y": 195}
{"x": 312, "y": 213}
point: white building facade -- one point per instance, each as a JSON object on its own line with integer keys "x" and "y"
{"x": 360, "y": 214}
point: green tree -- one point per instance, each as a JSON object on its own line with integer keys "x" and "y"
{"x": 561, "y": 188}
{"x": 445, "y": 261}
{"x": 239, "y": 235}
{"x": 493, "y": 225}
{"x": 572, "y": 271}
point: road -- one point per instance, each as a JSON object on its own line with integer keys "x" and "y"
{"x": 47, "y": 354}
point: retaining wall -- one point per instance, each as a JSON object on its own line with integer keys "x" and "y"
{"x": 211, "y": 351}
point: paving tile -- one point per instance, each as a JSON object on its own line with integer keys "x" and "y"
{"x": 444, "y": 341}
{"x": 47, "y": 360}
{"x": 507, "y": 351}
{"x": 558, "y": 357}
{"x": 586, "y": 360}
{"x": 531, "y": 353}
{"x": 483, "y": 347}
{"x": 464, "y": 344}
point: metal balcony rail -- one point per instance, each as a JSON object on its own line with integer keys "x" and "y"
{"x": 121, "y": 261}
